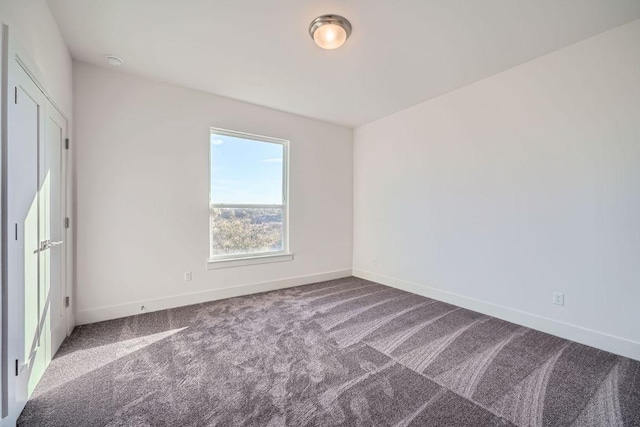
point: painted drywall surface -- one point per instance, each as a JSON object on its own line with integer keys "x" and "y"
{"x": 142, "y": 189}
{"x": 32, "y": 23}
{"x": 514, "y": 187}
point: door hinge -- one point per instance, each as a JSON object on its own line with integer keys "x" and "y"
{"x": 17, "y": 367}
{"x": 66, "y": 222}
{"x": 16, "y": 231}
{"x": 67, "y": 301}
{"x": 66, "y": 143}
{"x": 15, "y": 95}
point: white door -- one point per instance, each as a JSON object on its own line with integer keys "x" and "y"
{"x": 52, "y": 203}
{"x": 24, "y": 133}
{"x": 35, "y": 265}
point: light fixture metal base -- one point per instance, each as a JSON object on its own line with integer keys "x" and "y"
{"x": 341, "y": 21}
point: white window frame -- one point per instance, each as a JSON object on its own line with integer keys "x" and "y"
{"x": 233, "y": 260}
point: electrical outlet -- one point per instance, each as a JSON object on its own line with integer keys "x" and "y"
{"x": 187, "y": 276}
{"x": 558, "y": 298}
{"x": 374, "y": 261}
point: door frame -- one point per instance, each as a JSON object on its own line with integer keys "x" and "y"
{"x": 14, "y": 55}
{"x": 4, "y": 371}
{"x": 32, "y": 70}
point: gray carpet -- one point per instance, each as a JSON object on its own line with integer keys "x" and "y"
{"x": 344, "y": 352}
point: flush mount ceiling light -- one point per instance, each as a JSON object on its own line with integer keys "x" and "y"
{"x": 114, "y": 60}
{"x": 330, "y": 31}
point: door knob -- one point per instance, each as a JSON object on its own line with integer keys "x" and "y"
{"x": 52, "y": 244}
{"x": 47, "y": 244}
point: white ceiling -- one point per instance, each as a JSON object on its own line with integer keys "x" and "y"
{"x": 401, "y": 52}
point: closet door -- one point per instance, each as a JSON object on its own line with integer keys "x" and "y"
{"x": 52, "y": 202}
{"x": 27, "y": 300}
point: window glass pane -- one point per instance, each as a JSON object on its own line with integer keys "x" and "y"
{"x": 245, "y": 171}
{"x": 243, "y": 230}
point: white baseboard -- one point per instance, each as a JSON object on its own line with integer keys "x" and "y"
{"x": 116, "y": 311}
{"x": 611, "y": 343}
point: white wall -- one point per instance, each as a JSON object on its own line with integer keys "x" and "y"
{"x": 142, "y": 194}
{"x": 31, "y": 22}
{"x": 498, "y": 194}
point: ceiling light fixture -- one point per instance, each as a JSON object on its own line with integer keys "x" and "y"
{"x": 330, "y": 31}
{"x": 114, "y": 60}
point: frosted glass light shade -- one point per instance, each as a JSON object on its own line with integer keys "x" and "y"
{"x": 330, "y": 36}
{"x": 330, "y": 31}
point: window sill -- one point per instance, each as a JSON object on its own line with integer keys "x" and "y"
{"x": 214, "y": 264}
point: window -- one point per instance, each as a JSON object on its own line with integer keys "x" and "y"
{"x": 247, "y": 197}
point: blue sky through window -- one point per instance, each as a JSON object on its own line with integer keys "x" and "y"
{"x": 245, "y": 171}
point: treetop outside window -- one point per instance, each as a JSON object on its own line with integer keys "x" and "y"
{"x": 248, "y": 206}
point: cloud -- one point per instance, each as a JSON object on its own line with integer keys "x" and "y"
{"x": 217, "y": 142}
{"x": 273, "y": 160}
